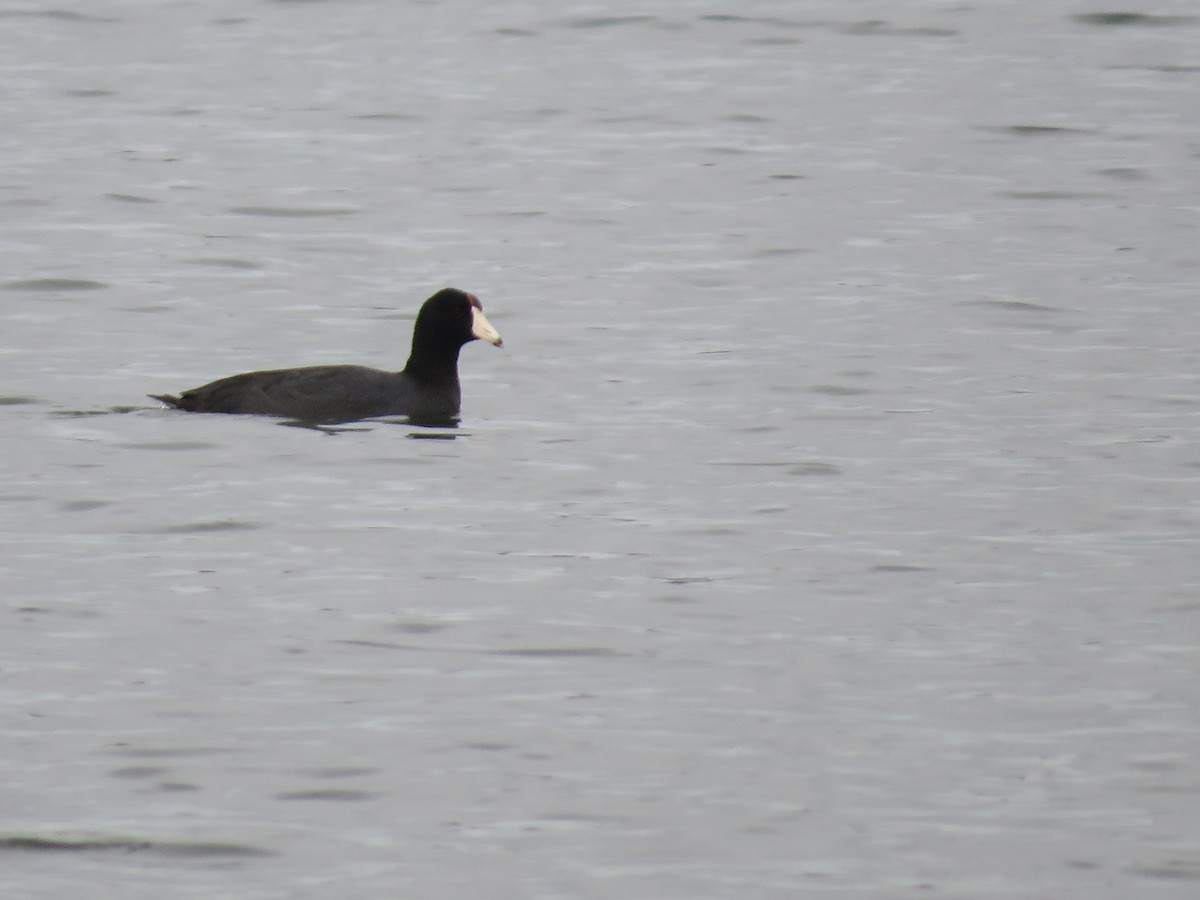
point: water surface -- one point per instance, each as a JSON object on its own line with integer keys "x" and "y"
{"x": 827, "y": 528}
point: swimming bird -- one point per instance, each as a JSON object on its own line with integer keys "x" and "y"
{"x": 426, "y": 390}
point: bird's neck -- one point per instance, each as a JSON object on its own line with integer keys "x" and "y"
{"x": 438, "y": 367}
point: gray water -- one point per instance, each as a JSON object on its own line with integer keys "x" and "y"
{"x": 828, "y": 527}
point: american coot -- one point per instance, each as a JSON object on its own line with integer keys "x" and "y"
{"x": 427, "y": 391}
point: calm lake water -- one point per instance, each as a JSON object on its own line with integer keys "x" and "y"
{"x": 828, "y": 527}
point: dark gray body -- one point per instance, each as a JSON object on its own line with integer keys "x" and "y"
{"x": 324, "y": 394}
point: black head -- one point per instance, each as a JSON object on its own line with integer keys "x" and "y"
{"x": 449, "y": 319}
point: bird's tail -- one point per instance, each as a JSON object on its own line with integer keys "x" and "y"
{"x": 169, "y": 399}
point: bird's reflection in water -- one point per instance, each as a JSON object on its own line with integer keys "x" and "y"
{"x": 445, "y": 429}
